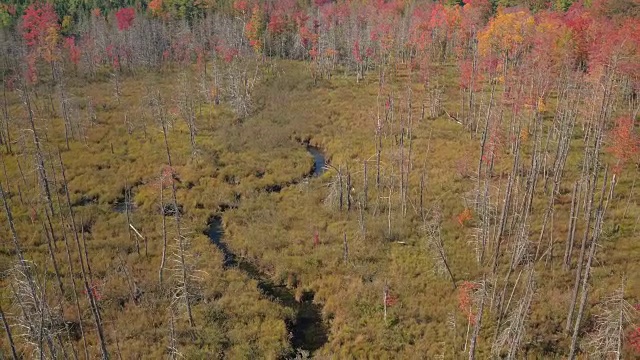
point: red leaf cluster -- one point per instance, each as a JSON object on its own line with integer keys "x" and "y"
{"x": 624, "y": 142}
{"x": 465, "y": 301}
{"x": 167, "y": 176}
{"x": 226, "y": 53}
{"x": 494, "y": 146}
{"x": 94, "y": 291}
{"x": 390, "y": 299}
{"x": 37, "y": 22}
{"x": 464, "y": 216}
{"x": 155, "y": 6}
{"x": 241, "y": 6}
{"x": 634, "y": 340}
{"x": 125, "y": 17}
{"x": 72, "y": 50}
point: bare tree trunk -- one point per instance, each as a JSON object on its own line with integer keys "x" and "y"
{"x": 54, "y": 262}
{"x": 583, "y": 300}
{"x": 39, "y": 158}
{"x": 345, "y": 249}
{"x": 476, "y": 329}
{"x": 173, "y": 344}
{"x": 341, "y": 187}
{"x": 127, "y": 200}
{"x": 88, "y": 289}
{"x": 422, "y": 195}
{"x": 435, "y": 242}
{"x": 574, "y": 296}
{"x": 164, "y": 229}
{"x": 348, "y": 190}
{"x": 23, "y": 269}
{"x": 7, "y": 329}
{"x": 365, "y": 186}
{"x": 573, "y": 219}
{"x": 75, "y": 292}
{"x": 115, "y": 335}
{"x": 181, "y": 245}
{"x": 378, "y": 155}
{"x": 585, "y": 280}
{"x": 590, "y": 160}
{"x": 5, "y": 112}
{"x": 505, "y": 206}
{"x": 485, "y": 133}
{"x": 130, "y": 283}
{"x": 401, "y": 168}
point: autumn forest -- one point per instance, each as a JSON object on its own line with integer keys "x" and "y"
{"x": 329, "y": 179}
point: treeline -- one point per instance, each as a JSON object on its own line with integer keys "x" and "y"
{"x": 191, "y": 9}
{"x": 485, "y": 43}
{"x": 359, "y": 35}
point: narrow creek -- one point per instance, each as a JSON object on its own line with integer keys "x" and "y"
{"x": 308, "y": 331}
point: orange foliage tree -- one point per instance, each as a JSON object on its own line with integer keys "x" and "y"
{"x": 255, "y": 29}
{"x": 507, "y": 34}
{"x": 624, "y": 142}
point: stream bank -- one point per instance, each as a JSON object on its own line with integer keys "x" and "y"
{"x": 308, "y": 331}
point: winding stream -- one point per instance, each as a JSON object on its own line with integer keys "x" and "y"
{"x": 308, "y": 330}
{"x": 319, "y": 160}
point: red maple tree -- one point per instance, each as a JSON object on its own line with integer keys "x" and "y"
{"x": 72, "y": 50}
{"x": 37, "y": 22}
{"x": 125, "y": 17}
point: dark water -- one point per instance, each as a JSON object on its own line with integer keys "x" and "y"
{"x": 308, "y": 330}
{"x": 120, "y": 206}
{"x": 215, "y": 233}
{"x": 84, "y": 201}
{"x": 319, "y": 160}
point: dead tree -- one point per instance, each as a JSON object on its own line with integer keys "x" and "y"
{"x": 5, "y": 113}
{"x": 127, "y": 201}
{"x": 335, "y": 197}
{"x": 7, "y": 329}
{"x": 173, "y": 343}
{"x": 511, "y": 336}
{"x": 562, "y": 152}
{"x": 73, "y": 285}
{"x": 184, "y": 274}
{"x": 506, "y": 206}
{"x": 573, "y": 219}
{"x": 87, "y": 287}
{"x": 597, "y": 231}
{"x": 435, "y": 244}
{"x": 365, "y": 186}
{"x": 590, "y": 174}
{"x": 482, "y": 294}
{"x": 52, "y": 255}
{"x": 187, "y": 109}
{"x": 40, "y": 167}
{"x": 164, "y": 229}
{"x": 615, "y": 314}
{"x": 133, "y": 288}
{"x": 24, "y": 287}
{"x": 345, "y": 249}
{"x": 64, "y": 104}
